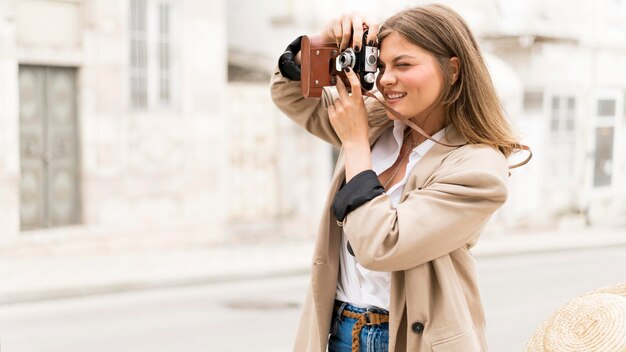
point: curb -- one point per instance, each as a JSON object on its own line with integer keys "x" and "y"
{"x": 124, "y": 287}
{"x": 519, "y": 245}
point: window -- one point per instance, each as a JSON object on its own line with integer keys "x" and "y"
{"x": 138, "y": 54}
{"x": 533, "y": 102}
{"x": 563, "y": 116}
{"x": 562, "y": 136}
{"x": 151, "y": 71}
{"x": 606, "y": 108}
{"x": 603, "y": 164}
{"x": 603, "y": 168}
{"x": 164, "y": 53}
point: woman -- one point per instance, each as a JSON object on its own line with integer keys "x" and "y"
{"x": 392, "y": 267}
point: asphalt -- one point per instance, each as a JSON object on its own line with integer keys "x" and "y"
{"x": 46, "y": 269}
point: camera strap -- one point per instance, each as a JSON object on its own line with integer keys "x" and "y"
{"x": 423, "y": 133}
{"x": 287, "y": 61}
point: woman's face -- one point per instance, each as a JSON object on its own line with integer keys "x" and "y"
{"x": 410, "y": 78}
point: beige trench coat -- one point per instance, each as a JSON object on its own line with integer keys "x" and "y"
{"x": 425, "y": 242}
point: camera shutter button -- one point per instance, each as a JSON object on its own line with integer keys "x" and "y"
{"x": 369, "y": 78}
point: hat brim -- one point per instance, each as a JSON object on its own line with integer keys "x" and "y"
{"x": 596, "y": 319}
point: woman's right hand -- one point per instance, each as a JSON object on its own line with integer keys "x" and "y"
{"x": 340, "y": 30}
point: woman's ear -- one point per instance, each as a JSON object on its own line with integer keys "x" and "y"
{"x": 455, "y": 66}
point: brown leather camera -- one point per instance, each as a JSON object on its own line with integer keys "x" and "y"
{"x": 322, "y": 63}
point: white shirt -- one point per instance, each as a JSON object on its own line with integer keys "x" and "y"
{"x": 357, "y": 285}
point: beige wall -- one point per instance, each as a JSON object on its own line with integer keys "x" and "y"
{"x": 49, "y": 24}
{"x": 278, "y": 173}
{"x": 9, "y": 162}
{"x": 158, "y": 169}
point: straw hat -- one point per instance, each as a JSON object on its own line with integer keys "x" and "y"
{"x": 595, "y": 322}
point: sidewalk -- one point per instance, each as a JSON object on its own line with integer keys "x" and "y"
{"x": 41, "y": 273}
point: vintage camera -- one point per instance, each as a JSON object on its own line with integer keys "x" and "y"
{"x": 322, "y": 63}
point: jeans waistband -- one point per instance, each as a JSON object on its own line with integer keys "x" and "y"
{"x": 352, "y": 308}
{"x": 363, "y": 316}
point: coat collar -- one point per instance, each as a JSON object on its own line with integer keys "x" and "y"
{"x": 427, "y": 165}
{"x": 424, "y": 167}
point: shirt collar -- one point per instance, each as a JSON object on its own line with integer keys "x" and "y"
{"x": 425, "y": 146}
{"x": 399, "y": 128}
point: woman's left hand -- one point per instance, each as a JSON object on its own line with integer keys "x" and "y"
{"x": 348, "y": 114}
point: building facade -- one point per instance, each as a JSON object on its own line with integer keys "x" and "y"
{"x": 142, "y": 116}
{"x": 568, "y": 56}
{"x": 557, "y": 71}
{"x": 111, "y": 115}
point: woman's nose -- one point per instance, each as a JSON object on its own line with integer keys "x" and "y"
{"x": 385, "y": 78}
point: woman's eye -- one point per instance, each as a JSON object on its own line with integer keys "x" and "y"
{"x": 402, "y": 65}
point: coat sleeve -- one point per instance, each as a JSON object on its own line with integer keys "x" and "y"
{"x": 434, "y": 221}
{"x": 309, "y": 113}
{"x": 312, "y": 113}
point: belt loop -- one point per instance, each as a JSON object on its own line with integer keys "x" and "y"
{"x": 340, "y": 310}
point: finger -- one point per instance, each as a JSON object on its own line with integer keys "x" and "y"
{"x": 355, "y": 83}
{"x": 337, "y": 31}
{"x": 338, "y": 105}
{"x": 357, "y": 36}
{"x": 332, "y": 113}
{"x": 372, "y": 33}
{"x": 346, "y": 32}
{"x": 341, "y": 89}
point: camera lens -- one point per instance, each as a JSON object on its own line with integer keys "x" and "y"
{"x": 345, "y": 59}
{"x": 371, "y": 59}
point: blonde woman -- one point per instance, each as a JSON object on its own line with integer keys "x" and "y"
{"x": 392, "y": 268}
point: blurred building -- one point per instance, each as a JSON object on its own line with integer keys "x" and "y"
{"x": 569, "y": 56}
{"x": 556, "y": 66}
{"x": 111, "y": 114}
{"x": 136, "y": 116}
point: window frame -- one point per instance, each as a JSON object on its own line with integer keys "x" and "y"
{"x": 154, "y": 56}
{"x": 615, "y": 122}
{"x": 562, "y": 139}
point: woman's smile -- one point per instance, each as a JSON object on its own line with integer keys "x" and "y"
{"x": 393, "y": 97}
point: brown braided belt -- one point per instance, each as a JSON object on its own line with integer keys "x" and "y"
{"x": 365, "y": 318}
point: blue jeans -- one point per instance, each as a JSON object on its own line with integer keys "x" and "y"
{"x": 373, "y": 338}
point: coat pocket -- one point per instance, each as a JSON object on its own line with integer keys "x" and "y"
{"x": 464, "y": 342}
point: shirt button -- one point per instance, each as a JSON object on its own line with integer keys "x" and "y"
{"x": 418, "y": 328}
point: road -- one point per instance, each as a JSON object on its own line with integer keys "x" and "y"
{"x": 262, "y": 315}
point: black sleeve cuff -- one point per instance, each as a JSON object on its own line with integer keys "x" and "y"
{"x": 287, "y": 62}
{"x": 361, "y": 189}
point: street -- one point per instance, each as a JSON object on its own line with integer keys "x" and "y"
{"x": 519, "y": 292}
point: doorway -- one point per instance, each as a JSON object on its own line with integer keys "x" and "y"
{"x": 49, "y": 147}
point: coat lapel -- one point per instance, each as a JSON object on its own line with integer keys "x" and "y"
{"x": 431, "y": 160}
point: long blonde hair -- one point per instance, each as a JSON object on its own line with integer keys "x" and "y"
{"x": 471, "y": 103}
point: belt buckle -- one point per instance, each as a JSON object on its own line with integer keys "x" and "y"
{"x": 371, "y": 318}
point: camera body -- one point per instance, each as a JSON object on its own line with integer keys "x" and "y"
{"x": 322, "y": 63}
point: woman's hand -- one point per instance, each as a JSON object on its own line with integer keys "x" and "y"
{"x": 340, "y": 31}
{"x": 348, "y": 116}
